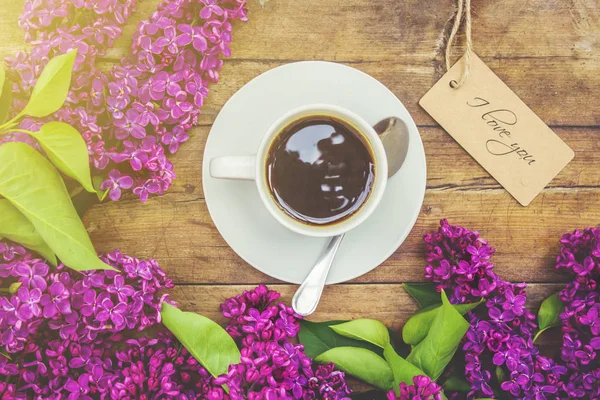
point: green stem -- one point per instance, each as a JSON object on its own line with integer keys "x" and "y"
{"x": 22, "y": 131}
{"x": 12, "y": 121}
{"x": 537, "y": 335}
{"x": 76, "y": 191}
{"x": 8, "y": 127}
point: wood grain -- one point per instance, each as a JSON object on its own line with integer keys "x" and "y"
{"x": 546, "y": 51}
{"x": 449, "y": 167}
{"x": 181, "y": 236}
{"x": 388, "y": 303}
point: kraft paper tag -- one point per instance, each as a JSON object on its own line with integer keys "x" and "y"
{"x": 493, "y": 125}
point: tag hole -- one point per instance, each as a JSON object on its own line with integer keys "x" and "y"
{"x": 453, "y": 84}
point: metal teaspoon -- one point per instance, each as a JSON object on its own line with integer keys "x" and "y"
{"x": 393, "y": 132}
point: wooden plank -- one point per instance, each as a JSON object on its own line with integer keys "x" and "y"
{"x": 388, "y": 303}
{"x": 557, "y": 89}
{"x": 385, "y": 30}
{"x": 181, "y": 236}
{"x": 449, "y": 167}
{"x": 554, "y": 67}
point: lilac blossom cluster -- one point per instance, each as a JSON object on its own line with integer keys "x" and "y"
{"x": 58, "y": 324}
{"x": 458, "y": 260}
{"x": 422, "y": 388}
{"x": 54, "y": 27}
{"x": 70, "y": 335}
{"x": 580, "y": 255}
{"x": 272, "y": 366}
{"x": 148, "y": 104}
{"x": 160, "y": 368}
{"x": 154, "y": 97}
{"x": 499, "y": 354}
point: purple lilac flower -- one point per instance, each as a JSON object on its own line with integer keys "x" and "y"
{"x": 80, "y": 346}
{"x": 157, "y": 92}
{"x": 115, "y": 183}
{"x": 459, "y": 260}
{"x": 501, "y": 334}
{"x": 61, "y": 334}
{"x": 54, "y": 27}
{"x": 160, "y": 368}
{"x": 423, "y": 388}
{"x": 580, "y": 254}
{"x": 271, "y": 365}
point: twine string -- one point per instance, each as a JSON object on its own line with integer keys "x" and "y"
{"x": 464, "y": 9}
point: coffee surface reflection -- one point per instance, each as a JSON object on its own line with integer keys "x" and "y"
{"x": 320, "y": 170}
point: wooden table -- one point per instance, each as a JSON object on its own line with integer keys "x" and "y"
{"x": 547, "y": 51}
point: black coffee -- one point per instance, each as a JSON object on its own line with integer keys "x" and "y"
{"x": 320, "y": 170}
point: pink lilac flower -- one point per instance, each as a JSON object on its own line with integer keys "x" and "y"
{"x": 423, "y": 388}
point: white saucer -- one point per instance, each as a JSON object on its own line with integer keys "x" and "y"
{"x": 236, "y": 208}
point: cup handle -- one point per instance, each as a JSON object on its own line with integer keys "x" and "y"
{"x": 234, "y": 167}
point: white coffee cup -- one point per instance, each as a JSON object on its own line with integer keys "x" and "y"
{"x": 253, "y": 167}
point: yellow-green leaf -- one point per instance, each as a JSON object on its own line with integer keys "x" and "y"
{"x": 5, "y": 95}
{"x": 417, "y": 326}
{"x": 318, "y": 337}
{"x": 15, "y": 227}
{"x": 30, "y": 182}
{"x": 67, "y": 150}
{"x": 97, "y": 181}
{"x": 52, "y": 87}
{"x": 210, "y": 344}
{"x": 360, "y": 363}
{"x": 433, "y": 353}
{"x": 402, "y": 370}
{"x": 368, "y": 330}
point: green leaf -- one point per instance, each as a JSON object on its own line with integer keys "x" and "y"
{"x": 360, "y": 363}
{"x": 368, "y": 330}
{"x": 501, "y": 375}
{"x": 434, "y": 353}
{"x": 97, "y": 181}
{"x": 5, "y": 95}
{"x": 549, "y": 314}
{"x": 15, "y": 227}
{"x": 457, "y": 383}
{"x": 402, "y": 370}
{"x": 52, "y": 87}
{"x": 4, "y": 354}
{"x": 13, "y": 288}
{"x": 317, "y": 338}
{"x": 418, "y": 325}
{"x": 36, "y": 189}
{"x": 424, "y": 293}
{"x": 67, "y": 150}
{"x": 210, "y": 344}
